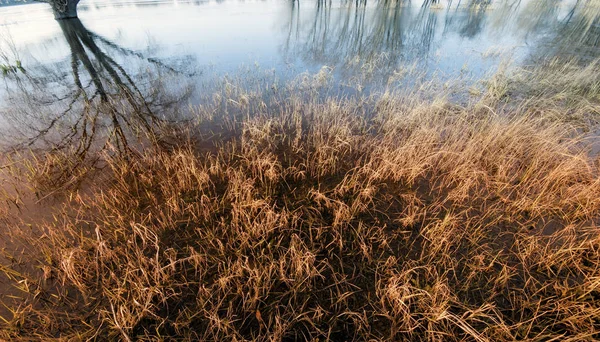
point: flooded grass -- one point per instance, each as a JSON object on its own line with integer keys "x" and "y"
{"x": 287, "y": 215}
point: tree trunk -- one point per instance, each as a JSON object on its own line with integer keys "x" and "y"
{"x": 63, "y": 11}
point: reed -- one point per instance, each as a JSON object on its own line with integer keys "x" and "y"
{"x": 288, "y": 215}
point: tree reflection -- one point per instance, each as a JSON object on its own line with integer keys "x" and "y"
{"x": 572, "y": 32}
{"x": 388, "y": 31}
{"x": 94, "y": 102}
{"x": 332, "y": 36}
{"x": 350, "y": 31}
{"x": 580, "y": 31}
{"x": 476, "y": 15}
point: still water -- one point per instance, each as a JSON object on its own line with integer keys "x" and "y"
{"x": 446, "y": 36}
{"x": 175, "y": 46}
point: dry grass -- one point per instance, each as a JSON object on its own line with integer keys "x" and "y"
{"x": 295, "y": 216}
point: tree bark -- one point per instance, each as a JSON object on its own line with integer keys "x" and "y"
{"x": 69, "y": 11}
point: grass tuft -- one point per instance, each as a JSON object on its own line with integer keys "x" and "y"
{"x": 288, "y": 215}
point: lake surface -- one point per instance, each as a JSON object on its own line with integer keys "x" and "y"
{"x": 448, "y": 37}
{"x": 176, "y": 46}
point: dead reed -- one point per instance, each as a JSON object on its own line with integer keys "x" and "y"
{"x": 296, "y": 216}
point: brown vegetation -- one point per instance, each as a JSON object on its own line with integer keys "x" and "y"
{"x": 402, "y": 216}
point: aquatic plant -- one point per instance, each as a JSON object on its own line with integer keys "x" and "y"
{"x": 286, "y": 215}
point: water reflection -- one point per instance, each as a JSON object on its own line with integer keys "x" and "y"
{"x": 391, "y": 31}
{"x": 332, "y": 36}
{"x": 98, "y": 102}
{"x": 474, "y": 20}
{"x": 104, "y": 83}
{"x": 579, "y": 32}
{"x": 340, "y": 34}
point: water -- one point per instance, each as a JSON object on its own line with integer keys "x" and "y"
{"x": 128, "y": 64}
{"x": 307, "y": 35}
{"x": 162, "y": 52}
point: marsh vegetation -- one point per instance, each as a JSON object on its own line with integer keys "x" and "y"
{"x": 274, "y": 208}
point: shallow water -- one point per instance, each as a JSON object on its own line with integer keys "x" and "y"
{"x": 447, "y": 37}
{"x": 59, "y": 81}
{"x": 165, "y": 51}
{"x": 274, "y": 33}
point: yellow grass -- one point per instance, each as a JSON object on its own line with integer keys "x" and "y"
{"x": 399, "y": 216}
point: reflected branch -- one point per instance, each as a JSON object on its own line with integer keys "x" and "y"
{"x": 100, "y": 107}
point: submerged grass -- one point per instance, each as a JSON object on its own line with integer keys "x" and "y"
{"x": 288, "y": 215}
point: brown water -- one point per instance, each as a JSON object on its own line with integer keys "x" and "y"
{"x": 153, "y": 58}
